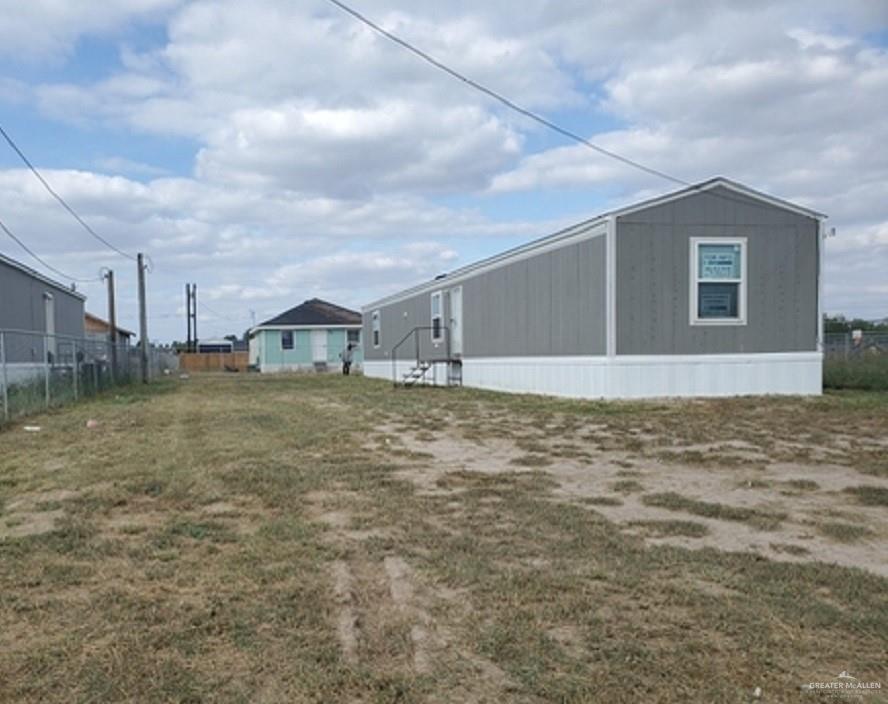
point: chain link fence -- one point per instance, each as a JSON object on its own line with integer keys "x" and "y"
{"x": 856, "y": 360}
{"x": 850, "y": 345}
{"x": 40, "y": 371}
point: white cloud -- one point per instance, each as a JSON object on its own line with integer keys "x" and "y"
{"x": 320, "y": 144}
{"x": 46, "y": 29}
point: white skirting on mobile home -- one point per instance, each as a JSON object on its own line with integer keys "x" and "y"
{"x": 635, "y": 377}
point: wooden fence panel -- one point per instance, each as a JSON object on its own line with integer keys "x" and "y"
{"x": 213, "y": 361}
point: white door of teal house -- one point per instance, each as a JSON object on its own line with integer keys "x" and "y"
{"x": 456, "y": 321}
{"x": 318, "y": 345}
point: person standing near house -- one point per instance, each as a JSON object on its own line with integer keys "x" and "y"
{"x": 346, "y": 356}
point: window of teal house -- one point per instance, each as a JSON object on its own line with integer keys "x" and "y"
{"x": 354, "y": 337}
{"x": 718, "y": 281}
{"x": 286, "y": 339}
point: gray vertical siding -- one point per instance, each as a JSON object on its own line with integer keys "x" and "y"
{"x": 22, "y": 308}
{"x": 552, "y": 303}
{"x": 653, "y": 277}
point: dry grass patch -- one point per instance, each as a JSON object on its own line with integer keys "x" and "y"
{"x": 869, "y": 495}
{"x": 662, "y": 529}
{"x": 758, "y": 518}
{"x": 627, "y": 486}
{"x": 843, "y": 532}
{"x": 216, "y": 550}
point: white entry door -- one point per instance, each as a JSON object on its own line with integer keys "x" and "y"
{"x": 456, "y": 321}
{"x": 49, "y": 315}
{"x": 318, "y": 345}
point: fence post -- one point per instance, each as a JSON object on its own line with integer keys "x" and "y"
{"x": 5, "y": 378}
{"x": 74, "y": 366}
{"x": 46, "y": 368}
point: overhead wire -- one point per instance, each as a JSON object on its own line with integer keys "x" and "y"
{"x": 512, "y": 105}
{"x": 46, "y": 264}
{"x": 62, "y": 201}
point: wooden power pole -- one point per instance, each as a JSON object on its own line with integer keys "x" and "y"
{"x": 143, "y": 318}
{"x": 112, "y": 322}
{"x": 188, "y": 316}
{"x": 194, "y": 313}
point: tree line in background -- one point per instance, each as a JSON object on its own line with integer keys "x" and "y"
{"x": 839, "y": 323}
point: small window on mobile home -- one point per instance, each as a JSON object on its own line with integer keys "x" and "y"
{"x": 286, "y": 339}
{"x": 354, "y": 337}
{"x": 718, "y": 281}
{"x": 437, "y": 316}
{"x": 375, "y": 328}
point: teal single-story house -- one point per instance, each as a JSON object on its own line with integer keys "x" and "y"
{"x": 309, "y": 337}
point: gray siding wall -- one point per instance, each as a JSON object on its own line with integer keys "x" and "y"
{"x": 653, "y": 277}
{"x": 22, "y": 308}
{"x": 552, "y": 303}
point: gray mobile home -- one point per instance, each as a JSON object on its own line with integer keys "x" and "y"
{"x": 36, "y": 315}
{"x": 713, "y": 290}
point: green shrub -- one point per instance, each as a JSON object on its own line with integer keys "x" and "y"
{"x": 869, "y": 373}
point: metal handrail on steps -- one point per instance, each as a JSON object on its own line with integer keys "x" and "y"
{"x": 414, "y": 333}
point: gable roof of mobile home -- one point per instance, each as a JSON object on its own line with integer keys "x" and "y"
{"x": 596, "y": 222}
{"x": 314, "y": 312}
{"x": 37, "y": 275}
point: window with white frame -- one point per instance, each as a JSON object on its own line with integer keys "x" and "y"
{"x": 718, "y": 281}
{"x": 437, "y": 316}
{"x": 353, "y": 337}
{"x": 375, "y": 328}
{"x": 286, "y": 339}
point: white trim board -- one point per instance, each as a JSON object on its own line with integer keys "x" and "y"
{"x": 636, "y": 377}
{"x": 719, "y": 181}
{"x": 572, "y": 235}
{"x": 592, "y": 227}
{"x": 611, "y": 288}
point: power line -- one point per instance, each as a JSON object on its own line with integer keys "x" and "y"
{"x": 30, "y": 251}
{"x": 219, "y": 315}
{"x": 61, "y": 200}
{"x": 502, "y": 99}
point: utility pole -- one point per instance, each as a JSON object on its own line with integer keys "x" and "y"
{"x": 188, "y": 316}
{"x": 112, "y": 321}
{"x": 143, "y": 318}
{"x": 194, "y": 324}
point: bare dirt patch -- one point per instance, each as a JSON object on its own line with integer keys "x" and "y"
{"x": 783, "y": 490}
{"x": 34, "y": 513}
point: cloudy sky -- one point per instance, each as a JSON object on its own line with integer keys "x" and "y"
{"x": 275, "y": 150}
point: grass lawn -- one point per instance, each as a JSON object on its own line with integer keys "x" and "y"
{"x": 237, "y": 538}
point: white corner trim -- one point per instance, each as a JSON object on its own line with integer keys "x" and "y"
{"x": 821, "y": 240}
{"x": 611, "y": 287}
